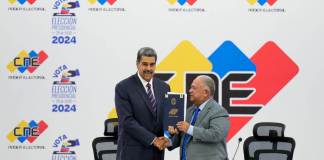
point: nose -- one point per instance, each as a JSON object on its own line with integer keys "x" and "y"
{"x": 148, "y": 67}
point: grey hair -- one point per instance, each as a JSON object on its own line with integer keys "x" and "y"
{"x": 146, "y": 51}
{"x": 209, "y": 83}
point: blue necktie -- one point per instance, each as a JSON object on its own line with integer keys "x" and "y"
{"x": 187, "y": 137}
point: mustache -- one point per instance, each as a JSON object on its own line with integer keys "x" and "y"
{"x": 148, "y": 72}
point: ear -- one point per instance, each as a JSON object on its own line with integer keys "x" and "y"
{"x": 207, "y": 92}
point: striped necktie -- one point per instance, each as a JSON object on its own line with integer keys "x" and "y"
{"x": 151, "y": 97}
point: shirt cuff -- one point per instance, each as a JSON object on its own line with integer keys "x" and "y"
{"x": 153, "y": 140}
{"x": 190, "y": 130}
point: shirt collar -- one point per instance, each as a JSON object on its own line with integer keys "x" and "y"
{"x": 202, "y": 106}
{"x": 144, "y": 82}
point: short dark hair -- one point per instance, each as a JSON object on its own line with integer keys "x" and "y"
{"x": 146, "y": 51}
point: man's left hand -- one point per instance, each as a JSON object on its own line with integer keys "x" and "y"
{"x": 183, "y": 126}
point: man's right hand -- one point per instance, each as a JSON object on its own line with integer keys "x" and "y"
{"x": 161, "y": 143}
{"x": 173, "y": 130}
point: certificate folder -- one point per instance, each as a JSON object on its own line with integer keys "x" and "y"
{"x": 174, "y": 109}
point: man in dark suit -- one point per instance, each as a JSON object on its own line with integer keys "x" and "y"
{"x": 203, "y": 135}
{"x": 138, "y": 100}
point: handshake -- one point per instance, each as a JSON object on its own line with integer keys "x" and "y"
{"x": 162, "y": 142}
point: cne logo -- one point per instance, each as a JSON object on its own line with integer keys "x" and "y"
{"x": 102, "y": 2}
{"x": 27, "y": 61}
{"x": 31, "y": 2}
{"x": 262, "y": 2}
{"x": 27, "y": 131}
{"x": 243, "y": 85}
{"x": 182, "y": 2}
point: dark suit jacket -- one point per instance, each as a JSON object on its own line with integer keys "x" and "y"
{"x": 138, "y": 125}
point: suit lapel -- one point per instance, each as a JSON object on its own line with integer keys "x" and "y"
{"x": 157, "y": 96}
{"x": 141, "y": 90}
{"x": 203, "y": 113}
{"x": 189, "y": 114}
